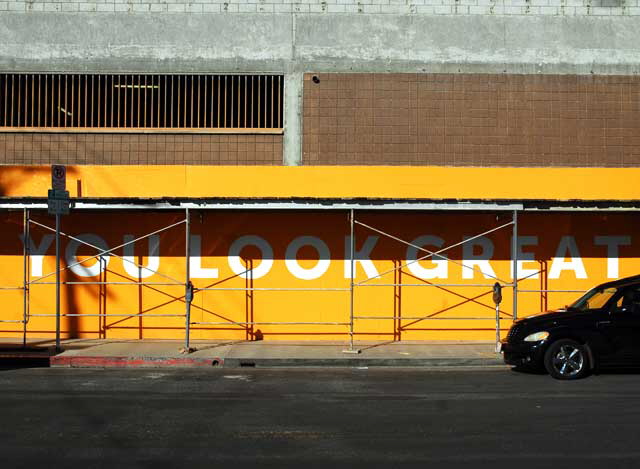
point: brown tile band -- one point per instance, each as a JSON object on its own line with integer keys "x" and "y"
{"x": 122, "y": 149}
{"x": 471, "y": 120}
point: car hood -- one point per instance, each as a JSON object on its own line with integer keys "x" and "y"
{"x": 547, "y": 316}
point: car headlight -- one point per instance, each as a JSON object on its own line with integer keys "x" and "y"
{"x": 536, "y": 337}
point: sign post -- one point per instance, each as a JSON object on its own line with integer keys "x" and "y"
{"x": 58, "y": 204}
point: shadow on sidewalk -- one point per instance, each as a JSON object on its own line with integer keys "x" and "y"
{"x": 16, "y": 363}
{"x": 34, "y": 355}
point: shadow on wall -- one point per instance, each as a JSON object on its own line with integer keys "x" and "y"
{"x": 13, "y": 177}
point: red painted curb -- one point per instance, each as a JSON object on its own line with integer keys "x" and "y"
{"x": 132, "y": 362}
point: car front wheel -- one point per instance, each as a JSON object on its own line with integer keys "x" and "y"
{"x": 566, "y": 359}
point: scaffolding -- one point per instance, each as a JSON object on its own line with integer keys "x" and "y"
{"x": 351, "y": 316}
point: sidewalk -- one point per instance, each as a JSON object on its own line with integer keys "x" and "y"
{"x": 232, "y": 354}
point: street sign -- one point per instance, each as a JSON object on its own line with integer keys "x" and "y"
{"x": 58, "y": 207}
{"x": 58, "y": 177}
{"x": 58, "y": 202}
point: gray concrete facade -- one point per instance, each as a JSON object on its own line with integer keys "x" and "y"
{"x": 292, "y": 145}
{"x": 409, "y": 7}
{"x": 79, "y": 42}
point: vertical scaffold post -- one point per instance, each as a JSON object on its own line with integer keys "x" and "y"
{"x": 352, "y": 251}
{"x": 514, "y": 255}
{"x": 25, "y": 274}
{"x": 352, "y": 247}
{"x": 188, "y": 296}
{"x": 58, "y": 348}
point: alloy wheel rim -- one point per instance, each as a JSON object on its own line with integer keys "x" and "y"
{"x": 568, "y": 361}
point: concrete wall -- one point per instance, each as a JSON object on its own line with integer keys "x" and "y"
{"x": 254, "y": 42}
{"x": 412, "y": 7}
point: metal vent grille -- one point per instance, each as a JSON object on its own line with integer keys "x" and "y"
{"x": 89, "y": 102}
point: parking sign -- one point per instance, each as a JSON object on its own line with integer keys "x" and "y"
{"x": 58, "y": 177}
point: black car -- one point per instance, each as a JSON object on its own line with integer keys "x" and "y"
{"x": 601, "y": 329}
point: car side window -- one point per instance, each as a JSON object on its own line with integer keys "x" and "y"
{"x": 600, "y": 298}
{"x": 628, "y": 300}
{"x": 618, "y": 304}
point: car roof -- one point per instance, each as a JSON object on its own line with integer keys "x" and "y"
{"x": 621, "y": 282}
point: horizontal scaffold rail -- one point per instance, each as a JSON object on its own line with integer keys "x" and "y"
{"x": 301, "y": 203}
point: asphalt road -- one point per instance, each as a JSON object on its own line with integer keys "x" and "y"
{"x": 316, "y": 418}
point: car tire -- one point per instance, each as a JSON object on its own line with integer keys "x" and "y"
{"x": 567, "y": 359}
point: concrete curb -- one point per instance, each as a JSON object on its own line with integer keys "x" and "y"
{"x": 187, "y": 362}
{"x": 359, "y": 362}
{"x": 132, "y": 362}
{"x": 23, "y": 355}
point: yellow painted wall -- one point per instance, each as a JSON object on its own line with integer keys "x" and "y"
{"x": 566, "y": 244}
{"x": 328, "y": 181}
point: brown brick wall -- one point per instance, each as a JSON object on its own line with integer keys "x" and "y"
{"x": 471, "y": 120}
{"x": 106, "y": 149}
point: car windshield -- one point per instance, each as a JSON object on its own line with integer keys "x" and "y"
{"x": 594, "y": 299}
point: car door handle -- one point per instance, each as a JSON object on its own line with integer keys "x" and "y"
{"x": 602, "y": 323}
